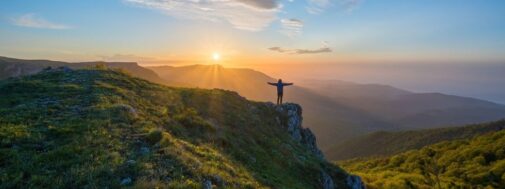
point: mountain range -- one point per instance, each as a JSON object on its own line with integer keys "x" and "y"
{"x": 336, "y": 111}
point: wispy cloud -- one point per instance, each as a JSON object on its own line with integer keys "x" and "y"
{"x": 319, "y": 6}
{"x": 32, "y": 21}
{"x": 349, "y": 5}
{"x": 252, "y": 15}
{"x": 324, "y": 49}
{"x": 291, "y": 27}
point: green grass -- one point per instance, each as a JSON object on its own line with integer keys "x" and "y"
{"x": 384, "y": 143}
{"x": 470, "y": 163}
{"x": 92, "y": 128}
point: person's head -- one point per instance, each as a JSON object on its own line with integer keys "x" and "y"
{"x": 280, "y": 81}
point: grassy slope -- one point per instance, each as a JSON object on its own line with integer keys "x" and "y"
{"x": 388, "y": 143}
{"x": 91, "y": 128}
{"x": 331, "y": 122}
{"x": 470, "y": 163}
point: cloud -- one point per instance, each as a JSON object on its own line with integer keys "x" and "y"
{"x": 252, "y": 15}
{"x": 31, "y": 21}
{"x": 349, "y": 5}
{"x": 291, "y": 27}
{"x": 319, "y": 6}
{"x": 301, "y": 51}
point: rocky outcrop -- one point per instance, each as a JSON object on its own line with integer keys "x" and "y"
{"x": 327, "y": 181}
{"x": 293, "y": 125}
{"x": 354, "y": 182}
{"x": 295, "y": 129}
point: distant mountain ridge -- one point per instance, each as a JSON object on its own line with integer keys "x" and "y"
{"x": 408, "y": 109}
{"x": 384, "y": 143}
{"x": 12, "y": 67}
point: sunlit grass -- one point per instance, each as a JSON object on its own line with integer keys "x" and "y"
{"x": 97, "y": 127}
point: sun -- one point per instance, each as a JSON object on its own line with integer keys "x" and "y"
{"x": 216, "y": 56}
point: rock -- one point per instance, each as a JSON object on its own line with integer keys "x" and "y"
{"x": 354, "y": 182}
{"x": 218, "y": 180}
{"x": 293, "y": 126}
{"x": 126, "y": 181}
{"x": 128, "y": 109}
{"x": 326, "y": 181}
{"x": 131, "y": 162}
{"x": 144, "y": 150}
{"x": 207, "y": 184}
{"x": 309, "y": 140}
{"x": 295, "y": 129}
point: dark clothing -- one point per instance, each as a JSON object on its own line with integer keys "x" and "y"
{"x": 280, "y": 86}
{"x": 280, "y": 89}
{"x": 279, "y": 98}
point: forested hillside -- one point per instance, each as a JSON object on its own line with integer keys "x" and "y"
{"x": 471, "y": 163}
{"x": 389, "y": 143}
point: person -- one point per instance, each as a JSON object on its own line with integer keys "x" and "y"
{"x": 280, "y": 86}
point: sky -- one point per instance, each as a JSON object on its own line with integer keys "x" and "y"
{"x": 254, "y": 31}
{"x": 450, "y": 46}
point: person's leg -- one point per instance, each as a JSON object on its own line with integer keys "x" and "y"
{"x": 281, "y": 98}
{"x": 278, "y": 97}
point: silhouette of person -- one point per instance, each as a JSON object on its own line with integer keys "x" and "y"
{"x": 280, "y": 86}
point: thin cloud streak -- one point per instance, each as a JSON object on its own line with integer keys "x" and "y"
{"x": 301, "y": 51}
{"x": 291, "y": 27}
{"x": 31, "y": 21}
{"x": 319, "y": 6}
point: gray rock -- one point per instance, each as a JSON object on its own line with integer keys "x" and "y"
{"x": 128, "y": 109}
{"x": 309, "y": 140}
{"x": 354, "y": 182}
{"x": 131, "y": 162}
{"x": 218, "y": 180}
{"x": 144, "y": 150}
{"x": 126, "y": 181}
{"x": 295, "y": 129}
{"x": 207, "y": 184}
{"x": 327, "y": 181}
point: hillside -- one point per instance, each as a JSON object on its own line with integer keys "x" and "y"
{"x": 471, "y": 163}
{"x": 407, "y": 109}
{"x": 336, "y": 111}
{"x": 339, "y": 110}
{"x": 91, "y": 128}
{"x": 332, "y": 122}
{"x": 389, "y": 143}
{"x": 12, "y": 67}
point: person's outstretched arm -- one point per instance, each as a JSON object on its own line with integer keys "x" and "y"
{"x": 270, "y": 83}
{"x": 287, "y": 84}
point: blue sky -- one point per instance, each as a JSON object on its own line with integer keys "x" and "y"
{"x": 302, "y": 30}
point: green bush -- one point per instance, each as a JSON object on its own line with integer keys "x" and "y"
{"x": 154, "y": 136}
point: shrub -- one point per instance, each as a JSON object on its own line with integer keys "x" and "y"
{"x": 154, "y": 136}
